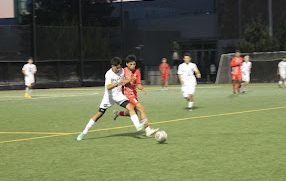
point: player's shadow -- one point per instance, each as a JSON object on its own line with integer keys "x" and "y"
{"x": 136, "y": 135}
{"x": 194, "y": 107}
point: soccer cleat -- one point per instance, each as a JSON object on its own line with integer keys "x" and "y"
{"x": 141, "y": 126}
{"x": 80, "y": 136}
{"x": 115, "y": 114}
{"x": 151, "y": 132}
{"x": 190, "y": 109}
{"x": 27, "y": 96}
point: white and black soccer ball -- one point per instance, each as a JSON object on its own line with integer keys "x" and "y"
{"x": 161, "y": 136}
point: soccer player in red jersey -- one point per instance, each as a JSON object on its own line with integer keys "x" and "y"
{"x": 236, "y": 73}
{"x": 165, "y": 73}
{"x": 130, "y": 91}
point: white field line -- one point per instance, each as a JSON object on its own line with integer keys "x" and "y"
{"x": 46, "y": 96}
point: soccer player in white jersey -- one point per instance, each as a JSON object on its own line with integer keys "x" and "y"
{"x": 188, "y": 80}
{"x": 246, "y": 70}
{"x": 282, "y": 72}
{"x": 114, "y": 80}
{"x": 29, "y": 70}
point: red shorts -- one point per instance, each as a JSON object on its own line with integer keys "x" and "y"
{"x": 133, "y": 100}
{"x": 236, "y": 76}
{"x": 164, "y": 76}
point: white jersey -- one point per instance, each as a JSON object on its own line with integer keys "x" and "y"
{"x": 246, "y": 67}
{"x": 29, "y": 69}
{"x": 282, "y": 68}
{"x": 114, "y": 78}
{"x": 187, "y": 73}
{"x": 114, "y": 95}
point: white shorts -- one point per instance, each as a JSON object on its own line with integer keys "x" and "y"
{"x": 283, "y": 76}
{"x": 246, "y": 77}
{"x": 29, "y": 80}
{"x": 188, "y": 90}
{"x": 109, "y": 100}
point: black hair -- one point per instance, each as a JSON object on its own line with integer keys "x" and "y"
{"x": 130, "y": 58}
{"x": 188, "y": 54}
{"x": 115, "y": 61}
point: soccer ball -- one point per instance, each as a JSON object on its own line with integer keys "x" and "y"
{"x": 161, "y": 136}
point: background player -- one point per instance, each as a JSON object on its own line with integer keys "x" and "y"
{"x": 187, "y": 79}
{"x": 165, "y": 73}
{"x": 114, "y": 80}
{"x": 246, "y": 70}
{"x": 130, "y": 91}
{"x": 29, "y": 70}
{"x": 282, "y": 72}
{"x": 236, "y": 74}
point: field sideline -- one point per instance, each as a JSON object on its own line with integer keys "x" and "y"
{"x": 226, "y": 137}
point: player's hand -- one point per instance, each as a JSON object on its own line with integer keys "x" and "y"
{"x": 134, "y": 78}
{"x": 199, "y": 76}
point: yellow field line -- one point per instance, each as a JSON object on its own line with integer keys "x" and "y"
{"x": 28, "y": 139}
{"x": 161, "y": 122}
{"x": 31, "y": 133}
{"x": 217, "y": 115}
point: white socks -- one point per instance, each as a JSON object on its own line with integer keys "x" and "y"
{"x": 190, "y": 105}
{"x": 88, "y": 126}
{"x": 134, "y": 118}
{"x": 28, "y": 91}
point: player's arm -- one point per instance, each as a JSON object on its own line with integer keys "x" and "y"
{"x": 116, "y": 84}
{"x": 180, "y": 75}
{"x": 112, "y": 85}
{"x": 161, "y": 69}
{"x": 197, "y": 72}
{"x": 181, "y": 79}
{"x": 109, "y": 84}
{"x": 137, "y": 78}
{"x": 233, "y": 63}
{"x": 35, "y": 71}
{"x": 23, "y": 71}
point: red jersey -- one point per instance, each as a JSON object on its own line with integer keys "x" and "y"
{"x": 235, "y": 64}
{"x": 130, "y": 89}
{"x": 164, "y": 68}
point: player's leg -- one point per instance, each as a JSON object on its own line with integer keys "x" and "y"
{"x": 190, "y": 100}
{"x": 148, "y": 130}
{"x": 188, "y": 93}
{"x": 246, "y": 83}
{"x": 104, "y": 105}
{"x": 117, "y": 113}
{"x": 166, "y": 82}
{"x": 282, "y": 81}
{"x": 91, "y": 123}
{"x": 29, "y": 81}
{"x": 30, "y": 90}
{"x": 27, "y": 89}
{"x": 133, "y": 116}
{"x": 233, "y": 84}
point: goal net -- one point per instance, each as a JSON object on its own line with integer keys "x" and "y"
{"x": 264, "y": 67}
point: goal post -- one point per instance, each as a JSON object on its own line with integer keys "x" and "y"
{"x": 264, "y": 67}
